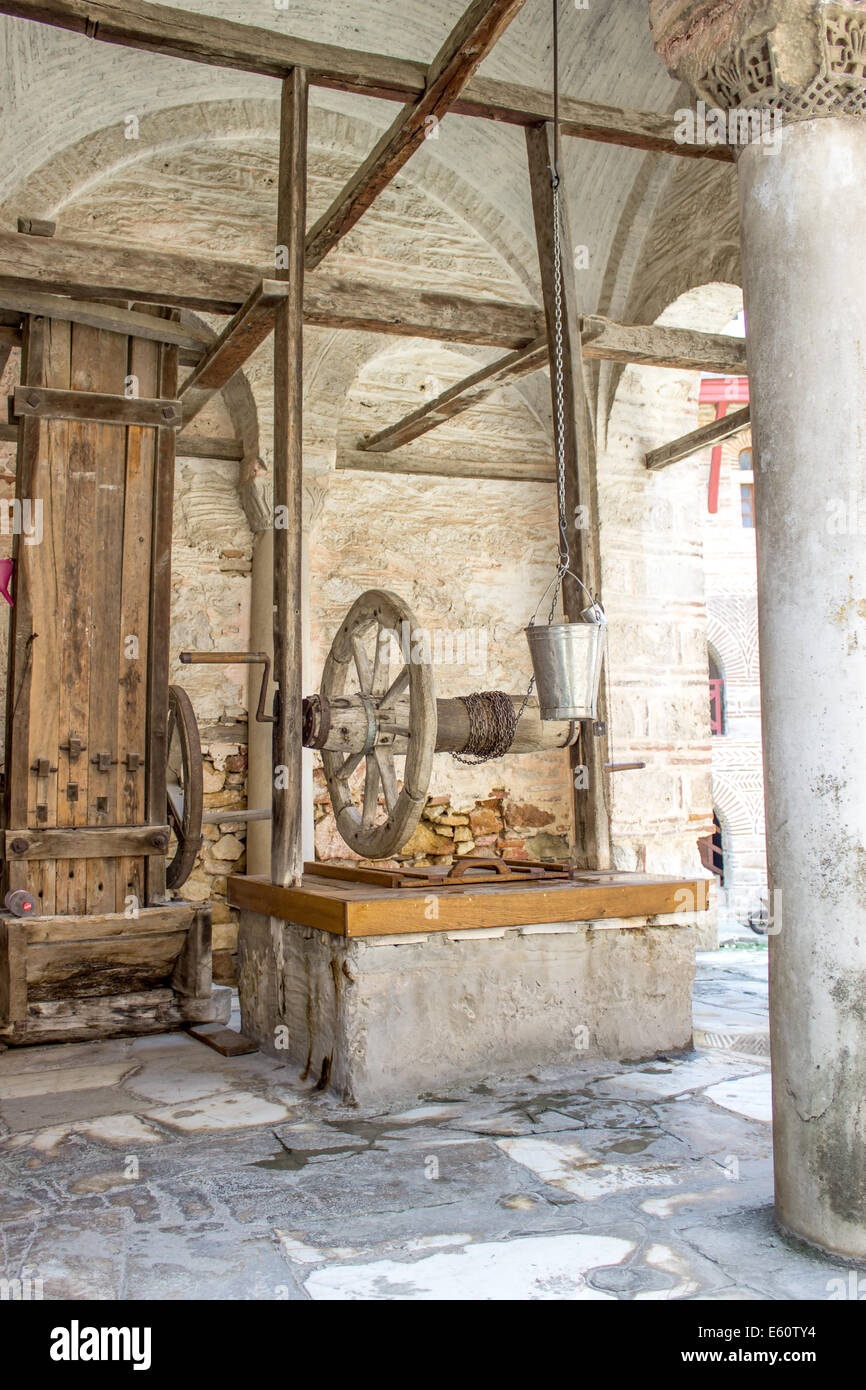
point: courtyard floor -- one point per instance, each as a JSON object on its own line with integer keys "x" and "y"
{"x": 155, "y": 1168}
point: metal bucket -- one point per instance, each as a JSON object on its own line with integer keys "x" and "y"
{"x": 566, "y": 659}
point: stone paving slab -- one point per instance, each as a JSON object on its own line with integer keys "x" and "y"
{"x": 155, "y": 1168}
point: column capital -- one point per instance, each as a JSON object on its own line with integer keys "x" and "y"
{"x": 793, "y": 59}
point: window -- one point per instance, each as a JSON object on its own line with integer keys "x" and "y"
{"x": 718, "y": 714}
{"x": 747, "y": 503}
{"x": 747, "y": 491}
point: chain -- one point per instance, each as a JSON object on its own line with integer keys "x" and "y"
{"x": 492, "y": 726}
{"x": 564, "y": 559}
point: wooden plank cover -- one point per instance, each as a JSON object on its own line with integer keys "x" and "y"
{"x": 364, "y": 911}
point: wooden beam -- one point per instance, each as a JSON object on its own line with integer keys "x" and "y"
{"x": 198, "y": 446}
{"x": 463, "y": 396}
{"x": 526, "y": 471}
{"x": 592, "y": 825}
{"x": 235, "y": 345}
{"x": 108, "y": 316}
{"x": 467, "y": 45}
{"x": 190, "y": 446}
{"x": 215, "y": 285}
{"x": 93, "y": 407}
{"x": 713, "y": 433}
{"x": 287, "y": 859}
{"x": 651, "y": 345}
{"x": 210, "y": 284}
{"x": 85, "y": 842}
{"x": 223, "y": 43}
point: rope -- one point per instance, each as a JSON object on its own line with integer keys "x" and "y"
{"x": 492, "y": 726}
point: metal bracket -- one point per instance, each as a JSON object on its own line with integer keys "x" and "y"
{"x": 73, "y": 746}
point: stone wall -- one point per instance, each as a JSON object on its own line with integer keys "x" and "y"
{"x": 732, "y": 631}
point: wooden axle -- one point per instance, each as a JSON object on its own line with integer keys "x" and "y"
{"x": 347, "y": 725}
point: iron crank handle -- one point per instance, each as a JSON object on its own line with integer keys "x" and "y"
{"x": 234, "y": 659}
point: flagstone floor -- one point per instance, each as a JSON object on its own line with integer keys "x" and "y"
{"x": 154, "y": 1168}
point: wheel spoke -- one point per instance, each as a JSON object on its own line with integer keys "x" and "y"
{"x": 362, "y": 665}
{"x": 385, "y": 763}
{"x": 381, "y": 664}
{"x": 371, "y": 793}
{"x": 348, "y": 765}
{"x": 174, "y": 794}
{"x": 398, "y": 688}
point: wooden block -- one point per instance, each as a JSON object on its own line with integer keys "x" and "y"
{"x": 13, "y": 977}
{"x": 36, "y": 226}
{"x": 225, "y": 1041}
{"x": 94, "y": 407}
{"x": 225, "y": 967}
{"x": 193, "y": 972}
{"x": 118, "y": 1015}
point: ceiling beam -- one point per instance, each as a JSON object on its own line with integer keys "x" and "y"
{"x": 467, "y": 45}
{"x": 713, "y": 433}
{"x": 466, "y": 394}
{"x": 652, "y": 345}
{"x": 538, "y": 470}
{"x": 224, "y": 43}
{"x": 210, "y": 284}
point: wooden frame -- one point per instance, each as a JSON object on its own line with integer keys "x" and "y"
{"x": 448, "y": 83}
{"x": 71, "y": 978}
{"x": 203, "y": 38}
{"x": 30, "y": 266}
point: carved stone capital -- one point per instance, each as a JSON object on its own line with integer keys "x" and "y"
{"x": 793, "y": 60}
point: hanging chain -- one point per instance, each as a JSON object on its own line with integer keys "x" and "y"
{"x": 564, "y": 557}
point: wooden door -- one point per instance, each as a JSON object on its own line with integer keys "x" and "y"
{"x": 88, "y": 665}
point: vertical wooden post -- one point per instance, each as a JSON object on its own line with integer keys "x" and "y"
{"x": 158, "y": 652}
{"x": 592, "y": 826}
{"x": 21, "y": 635}
{"x": 286, "y": 842}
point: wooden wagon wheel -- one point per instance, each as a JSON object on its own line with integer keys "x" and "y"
{"x": 379, "y": 613}
{"x": 184, "y": 786}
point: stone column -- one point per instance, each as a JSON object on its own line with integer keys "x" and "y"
{"x": 802, "y": 181}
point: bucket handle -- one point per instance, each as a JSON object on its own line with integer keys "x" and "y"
{"x": 561, "y": 572}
